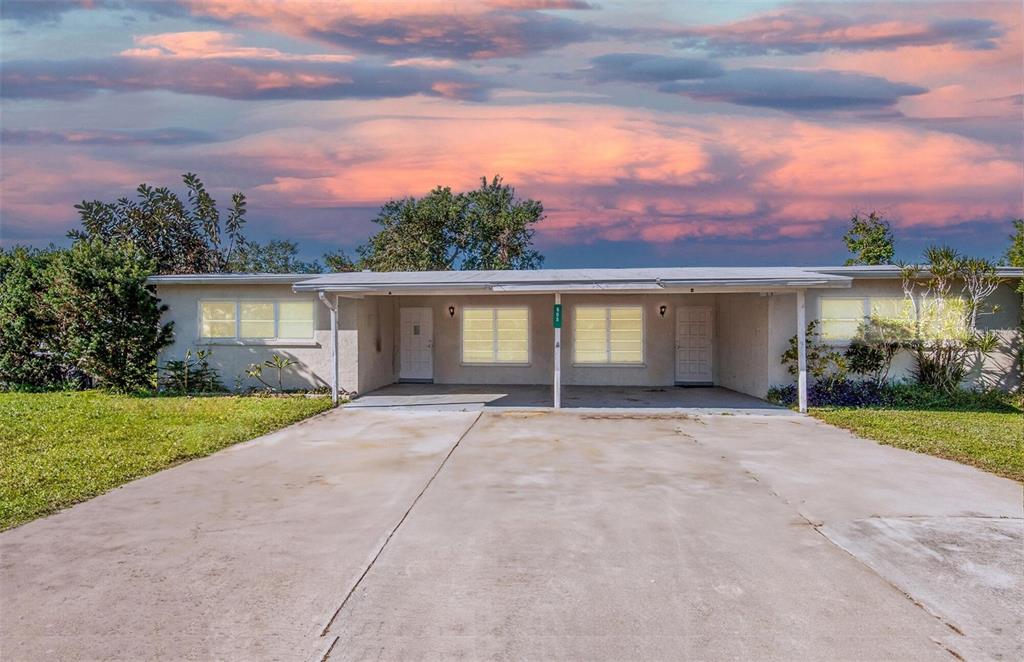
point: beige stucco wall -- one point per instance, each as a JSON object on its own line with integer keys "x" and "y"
{"x": 750, "y": 333}
{"x": 658, "y": 368}
{"x": 743, "y": 337}
{"x": 998, "y": 369}
{"x": 231, "y": 358}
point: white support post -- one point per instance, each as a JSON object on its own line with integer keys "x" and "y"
{"x": 558, "y": 358}
{"x": 801, "y": 348}
{"x": 333, "y": 307}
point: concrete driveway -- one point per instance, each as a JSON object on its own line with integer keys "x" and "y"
{"x": 398, "y": 534}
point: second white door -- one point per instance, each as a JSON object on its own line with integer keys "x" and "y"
{"x": 693, "y": 345}
{"x": 417, "y": 343}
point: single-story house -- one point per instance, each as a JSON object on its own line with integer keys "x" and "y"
{"x": 725, "y": 326}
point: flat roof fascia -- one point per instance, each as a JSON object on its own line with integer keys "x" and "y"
{"x": 227, "y": 279}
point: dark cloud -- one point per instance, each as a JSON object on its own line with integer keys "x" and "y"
{"x": 798, "y": 32}
{"x": 169, "y": 136}
{"x": 233, "y": 78}
{"x": 796, "y": 90}
{"x": 648, "y": 68}
{"x": 470, "y": 36}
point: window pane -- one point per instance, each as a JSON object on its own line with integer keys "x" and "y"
{"x": 626, "y": 334}
{"x": 943, "y": 319}
{"x": 295, "y": 319}
{"x": 257, "y": 319}
{"x": 513, "y": 335}
{"x": 892, "y": 308}
{"x": 217, "y": 319}
{"x": 842, "y": 309}
{"x": 478, "y": 335}
{"x": 839, "y": 329}
{"x": 590, "y": 335}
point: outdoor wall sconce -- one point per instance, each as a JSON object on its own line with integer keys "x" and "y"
{"x": 451, "y": 311}
{"x": 663, "y": 310}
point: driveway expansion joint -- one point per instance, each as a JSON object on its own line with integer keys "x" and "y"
{"x": 334, "y": 616}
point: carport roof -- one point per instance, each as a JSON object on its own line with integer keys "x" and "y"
{"x": 558, "y": 280}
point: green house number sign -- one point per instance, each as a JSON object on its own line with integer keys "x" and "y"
{"x": 556, "y": 316}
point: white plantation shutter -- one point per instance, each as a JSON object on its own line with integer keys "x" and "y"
{"x": 608, "y": 335}
{"x": 495, "y": 335}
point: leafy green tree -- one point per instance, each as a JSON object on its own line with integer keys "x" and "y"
{"x": 339, "y": 261}
{"x": 180, "y": 237}
{"x": 26, "y": 324}
{"x": 274, "y": 257}
{"x": 488, "y": 228}
{"x": 425, "y": 234}
{"x": 870, "y": 240}
{"x": 1015, "y": 254}
{"x": 107, "y": 320}
{"x": 499, "y": 228}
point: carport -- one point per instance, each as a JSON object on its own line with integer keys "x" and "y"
{"x": 648, "y": 331}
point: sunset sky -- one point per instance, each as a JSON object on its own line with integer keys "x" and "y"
{"x": 683, "y": 133}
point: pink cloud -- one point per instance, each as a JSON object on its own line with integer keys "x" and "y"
{"x": 210, "y": 44}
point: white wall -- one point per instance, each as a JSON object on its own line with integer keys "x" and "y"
{"x": 743, "y": 343}
{"x": 231, "y": 358}
{"x": 659, "y": 340}
{"x": 999, "y": 369}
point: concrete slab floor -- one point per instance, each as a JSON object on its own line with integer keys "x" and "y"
{"x": 605, "y": 535}
{"x": 474, "y": 397}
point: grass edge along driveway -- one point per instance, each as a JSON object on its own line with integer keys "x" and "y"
{"x": 989, "y": 440}
{"x": 57, "y": 449}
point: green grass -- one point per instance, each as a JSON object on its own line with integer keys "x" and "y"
{"x": 57, "y": 449}
{"x": 989, "y": 440}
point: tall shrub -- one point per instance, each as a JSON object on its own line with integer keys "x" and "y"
{"x": 951, "y": 291}
{"x": 26, "y": 322}
{"x": 107, "y": 320}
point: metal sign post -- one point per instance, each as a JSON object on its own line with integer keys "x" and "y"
{"x": 556, "y": 321}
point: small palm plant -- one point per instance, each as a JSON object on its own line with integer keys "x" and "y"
{"x": 275, "y": 362}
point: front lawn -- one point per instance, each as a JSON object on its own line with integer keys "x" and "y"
{"x": 57, "y": 449}
{"x": 990, "y": 440}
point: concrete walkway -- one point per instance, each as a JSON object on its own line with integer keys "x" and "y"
{"x": 511, "y": 534}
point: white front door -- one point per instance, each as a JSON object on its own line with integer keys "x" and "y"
{"x": 417, "y": 343}
{"x": 693, "y": 345}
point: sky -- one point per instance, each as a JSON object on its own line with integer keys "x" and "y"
{"x": 655, "y": 133}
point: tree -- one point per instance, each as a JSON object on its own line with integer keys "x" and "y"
{"x": 499, "y": 228}
{"x": 945, "y": 342}
{"x": 107, "y": 320}
{"x": 425, "y": 234}
{"x": 488, "y": 228}
{"x": 26, "y": 324}
{"x": 180, "y": 238}
{"x": 1015, "y": 253}
{"x": 339, "y": 261}
{"x": 869, "y": 239}
{"x": 274, "y": 257}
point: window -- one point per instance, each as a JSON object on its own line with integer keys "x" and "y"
{"x": 606, "y": 335}
{"x": 218, "y": 319}
{"x": 295, "y": 319}
{"x": 256, "y": 320}
{"x": 943, "y": 319}
{"x": 841, "y": 317}
{"x": 496, "y": 335}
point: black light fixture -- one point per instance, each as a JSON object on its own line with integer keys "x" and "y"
{"x": 663, "y": 309}
{"x": 451, "y": 311}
